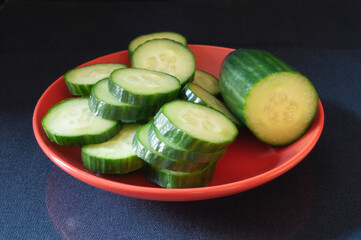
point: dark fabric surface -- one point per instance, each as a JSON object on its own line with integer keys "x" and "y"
{"x": 318, "y": 199}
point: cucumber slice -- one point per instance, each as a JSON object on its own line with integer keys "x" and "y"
{"x": 271, "y": 98}
{"x": 80, "y": 80}
{"x": 171, "y": 179}
{"x": 71, "y": 123}
{"x": 143, "y": 87}
{"x": 157, "y": 35}
{"x": 194, "y": 126}
{"x": 194, "y": 93}
{"x": 104, "y": 105}
{"x": 143, "y": 149}
{"x": 207, "y": 81}
{"x": 115, "y": 156}
{"x": 159, "y": 143}
{"x": 167, "y": 56}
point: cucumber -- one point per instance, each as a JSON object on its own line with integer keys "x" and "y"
{"x": 194, "y": 126}
{"x": 143, "y": 87}
{"x": 115, "y": 156}
{"x": 159, "y": 143}
{"x": 80, "y": 80}
{"x": 157, "y": 35}
{"x": 144, "y": 150}
{"x": 171, "y": 179}
{"x": 71, "y": 123}
{"x": 104, "y": 105}
{"x": 207, "y": 81}
{"x": 165, "y": 55}
{"x": 194, "y": 93}
{"x": 270, "y": 97}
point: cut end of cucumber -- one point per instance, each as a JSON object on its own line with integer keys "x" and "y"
{"x": 200, "y": 121}
{"x": 280, "y": 108}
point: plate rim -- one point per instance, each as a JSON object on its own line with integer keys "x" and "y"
{"x": 184, "y": 194}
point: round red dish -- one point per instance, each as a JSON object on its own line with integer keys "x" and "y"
{"x": 247, "y": 163}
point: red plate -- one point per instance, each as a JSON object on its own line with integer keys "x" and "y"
{"x": 247, "y": 163}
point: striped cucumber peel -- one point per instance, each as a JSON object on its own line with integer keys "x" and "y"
{"x": 171, "y": 179}
{"x": 165, "y": 55}
{"x": 195, "y": 127}
{"x": 143, "y": 149}
{"x": 194, "y": 93}
{"x": 207, "y": 81}
{"x": 156, "y": 35}
{"x": 80, "y": 80}
{"x": 104, "y": 105}
{"x": 143, "y": 87}
{"x": 270, "y": 97}
{"x": 115, "y": 156}
{"x": 159, "y": 143}
{"x": 71, "y": 123}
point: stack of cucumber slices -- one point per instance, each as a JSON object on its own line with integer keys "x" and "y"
{"x": 129, "y": 118}
{"x": 162, "y": 115}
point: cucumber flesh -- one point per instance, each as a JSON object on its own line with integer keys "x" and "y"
{"x": 171, "y": 179}
{"x": 70, "y": 122}
{"x": 115, "y": 156}
{"x": 143, "y": 87}
{"x": 207, "y": 81}
{"x": 141, "y": 145}
{"x": 280, "y": 108}
{"x": 166, "y": 56}
{"x": 194, "y": 93}
{"x": 104, "y": 105}
{"x": 194, "y": 126}
{"x": 157, "y": 35}
{"x": 270, "y": 97}
{"x": 80, "y": 80}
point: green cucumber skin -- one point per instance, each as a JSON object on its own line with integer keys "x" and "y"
{"x": 188, "y": 95}
{"x": 166, "y": 150}
{"x": 79, "y": 89}
{"x": 182, "y": 139}
{"x": 171, "y": 179}
{"x": 150, "y": 156}
{"x": 241, "y": 70}
{"x": 84, "y": 139}
{"x": 111, "y": 166}
{"x": 124, "y": 113}
{"x": 138, "y": 99}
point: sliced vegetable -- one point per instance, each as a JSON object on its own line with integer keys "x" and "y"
{"x": 115, "y": 156}
{"x": 104, "y": 105}
{"x": 80, "y": 80}
{"x": 70, "y": 122}
{"x": 166, "y": 56}
{"x": 207, "y": 81}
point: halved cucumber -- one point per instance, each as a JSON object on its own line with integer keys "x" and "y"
{"x": 194, "y": 93}
{"x": 207, "y": 81}
{"x": 70, "y": 122}
{"x": 143, "y": 87}
{"x": 171, "y": 179}
{"x": 144, "y": 150}
{"x": 80, "y": 80}
{"x": 271, "y": 98}
{"x": 104, "y": 105}
{"x": 167, "y": 56}
{"x": 159, "y": 143}
{"x": 115, "y": 156}
{"x": 157, "y": 35}
{"x": 195, "y": 127}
